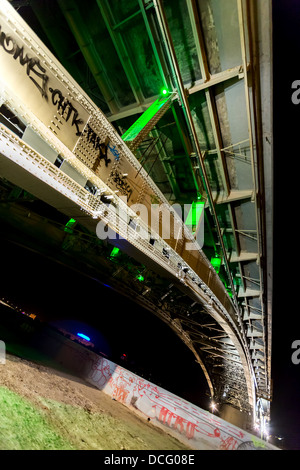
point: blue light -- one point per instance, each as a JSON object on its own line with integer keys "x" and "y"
{"x": 84, "y": 336}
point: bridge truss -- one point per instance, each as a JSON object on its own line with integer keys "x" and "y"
{"x": 58, "y": 145}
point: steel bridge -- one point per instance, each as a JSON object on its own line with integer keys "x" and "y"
{"x": 110, "y": 108}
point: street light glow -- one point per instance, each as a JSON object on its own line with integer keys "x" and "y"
{"x": 213, "y": 406}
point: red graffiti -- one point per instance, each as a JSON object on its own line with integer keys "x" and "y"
{"x": 171, "y": 410}
{"x": 226, "y": 444}
{"x": 181, "y": 424}
{"x": 100, "y": 372}
{"x": 190, "y": 430}
{"x": 163, "y": 416}
{"x": 119, "y": 383}
{"x": 120, "y": 394}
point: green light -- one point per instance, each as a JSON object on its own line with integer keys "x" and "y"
{"x": 216, "y": 263}
{"x": 164, "y": 92}
{"x": 140, "y": 278}
{"x": 69, "y": 225}
{"x": 144, "y": 119}
{"x": 114, "y": 252}
{"x": 195, "y": 213}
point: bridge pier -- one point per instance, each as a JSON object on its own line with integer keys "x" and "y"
{"x": 234, "y": 416}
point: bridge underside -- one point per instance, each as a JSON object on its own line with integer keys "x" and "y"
{"x": 212, "y": 143}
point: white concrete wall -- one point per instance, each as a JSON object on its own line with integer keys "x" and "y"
{"x": 189, "y": 423}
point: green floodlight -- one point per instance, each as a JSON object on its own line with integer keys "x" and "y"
{"x": 216, "y": 264}
{"x": 69, "y": 225}
{"x": 140, "y": 278}
{"x": 114, "y": 252}
{"x": 195, "y": 213}
{"x": 150, "y": 114}
{"x": 165, "y": 91}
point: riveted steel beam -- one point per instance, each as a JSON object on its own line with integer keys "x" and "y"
{"x": 253, "y": 130}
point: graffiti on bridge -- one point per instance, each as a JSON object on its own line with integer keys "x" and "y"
{"x": 168, "y": 409}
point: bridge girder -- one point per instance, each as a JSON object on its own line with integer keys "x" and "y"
{"x": 234, "y": 333}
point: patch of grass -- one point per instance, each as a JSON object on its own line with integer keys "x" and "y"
{"x": 51, "y": 425}
{"x": 23, "y": 427}
{"x": 93, "y": 431}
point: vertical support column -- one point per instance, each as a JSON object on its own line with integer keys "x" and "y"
{"x": 234, "y": 416}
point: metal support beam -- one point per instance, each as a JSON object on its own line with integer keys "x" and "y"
{"x": 190, "y": 123}
{"x": 242, "y": 257}
{"x": 213, "y": 117}
{"x": 189, "y": 120}
{"x": 234, "y": 195}
{"x": 188, "y": 149}
{"x": 216, "y": 78}
{"x": 203, "y": 62}
{"x": 249, "y": 293}
{"x": 160, "y": 58}
{"x": 163, "y": 157}
{"x": 259, "y": 15}
{"x": 89, "y": 52}
{"x": 131, "y": 109}
{"x": 121, "y": 49}
{"x": 211, "y": 106}
{"x": 157, "y": 49}
{"x": 257, "y": 178}
{"x": 227, "y": 195}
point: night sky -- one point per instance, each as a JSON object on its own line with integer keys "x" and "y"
{"x": 118, "y": 326}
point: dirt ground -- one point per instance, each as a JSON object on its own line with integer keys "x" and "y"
{"x": 42, "y": 408}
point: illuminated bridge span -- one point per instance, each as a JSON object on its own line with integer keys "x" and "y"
{"x": 203, "y": 141}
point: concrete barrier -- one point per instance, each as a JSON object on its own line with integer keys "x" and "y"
{"x": 190, "y": 424}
